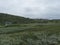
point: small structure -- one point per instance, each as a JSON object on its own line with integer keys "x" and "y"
{"x": 8, "y": 23}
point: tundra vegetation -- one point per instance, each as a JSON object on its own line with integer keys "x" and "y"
{"x": 35, "y": 32}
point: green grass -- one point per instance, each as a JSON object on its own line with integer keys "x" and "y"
{"x": 30, "y": 34}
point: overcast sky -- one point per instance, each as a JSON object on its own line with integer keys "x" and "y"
{"x": 32, "y": 8}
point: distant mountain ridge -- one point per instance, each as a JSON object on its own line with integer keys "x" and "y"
{"x": 13, "y": 19}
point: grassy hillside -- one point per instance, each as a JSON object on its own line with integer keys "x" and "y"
{"x": 31, "y": 34}
{"x": 25, "y": 31}
{"x": 12, "y": 19}
{"x": 8, "y": 18}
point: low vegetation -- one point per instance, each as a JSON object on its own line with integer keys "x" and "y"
{"x": 15, "y": 30}
{"x": 30, "y": 34}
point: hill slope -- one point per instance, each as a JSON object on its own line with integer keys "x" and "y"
{"x": 7, "y": 18}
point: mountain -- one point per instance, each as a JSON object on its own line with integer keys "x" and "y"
{"x": 8, "y": 18}
{"x": 12, "y": 19}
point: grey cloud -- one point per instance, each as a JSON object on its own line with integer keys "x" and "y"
{"x": 31, "y": 8}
